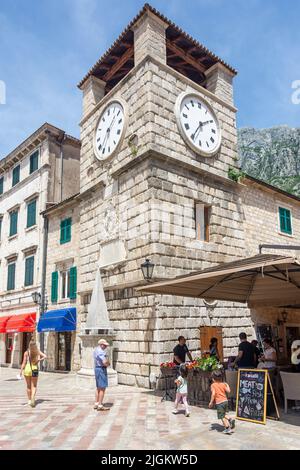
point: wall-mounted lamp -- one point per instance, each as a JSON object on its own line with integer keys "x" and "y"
{"x": 283, "y": 319}
{"x": 36, "y": 297}
{"x": 147, "y": 269}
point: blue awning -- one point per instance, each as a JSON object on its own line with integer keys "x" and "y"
{"x": 58, "y": 320}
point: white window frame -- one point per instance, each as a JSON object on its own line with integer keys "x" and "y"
{"x": 64, "y": 277}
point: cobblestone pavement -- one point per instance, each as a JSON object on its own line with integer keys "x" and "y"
{"x": 64, "y": 419}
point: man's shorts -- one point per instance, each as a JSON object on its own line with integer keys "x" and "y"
{"x": 222, "y": 409}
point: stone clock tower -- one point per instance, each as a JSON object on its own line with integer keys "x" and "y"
{"x": 158, "y": 139}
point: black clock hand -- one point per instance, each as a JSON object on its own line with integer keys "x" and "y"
{"x": 108, "y": 131}
{"x": 207, "y": 122}
{"x": 196, "y": 131}
{"x": 106, "y": 135}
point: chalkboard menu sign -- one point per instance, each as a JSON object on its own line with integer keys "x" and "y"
{"x": 251, "y": 404}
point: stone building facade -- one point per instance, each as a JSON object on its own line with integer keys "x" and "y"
{"x": 62, "y": 323}
{"x": 43, "y": 169}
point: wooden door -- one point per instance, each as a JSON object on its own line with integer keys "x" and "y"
{"x": 208, "y": 332}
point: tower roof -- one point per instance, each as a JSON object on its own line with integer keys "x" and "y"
{"x": 119, "y": 58}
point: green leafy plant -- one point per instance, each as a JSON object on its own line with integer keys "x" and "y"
{"x": 236, "y": 174}
{"x": 208, "y": 364}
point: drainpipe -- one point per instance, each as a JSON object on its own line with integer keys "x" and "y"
{"x": 43, "y": 287}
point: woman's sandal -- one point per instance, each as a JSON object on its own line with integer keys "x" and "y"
{"x": 102, "y": 408}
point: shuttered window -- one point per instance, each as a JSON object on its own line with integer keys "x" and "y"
{"x": 1, "y": 185}
{"x": 16, "y": 175}
{"x": 73, "y": 282}
{"x": 34, "y": 162}
{"x": 29, "y": 271}
{"x": 1, "y": 227}
{"x": 65, "y": 230}
{"x": 54, "y": 286}
{"x": 31, "y": 213}
{"x": 13, "y": 229}
{"x": 285, "y": 220}
{"x": 11, "y": 275}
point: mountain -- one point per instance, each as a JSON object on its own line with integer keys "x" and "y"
{"x": 272, "y": 155}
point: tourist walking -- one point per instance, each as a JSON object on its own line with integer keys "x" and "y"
{"x": 181, "y": 351}
{"x": 219, "y": 390}
{"x": 31, "y": 359}
{"x": 246, "y": 358}
{"x": 101, "y": 363}
{"x": 181, "y": 391}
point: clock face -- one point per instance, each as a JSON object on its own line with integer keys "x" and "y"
{"x": 198, "y": 124}
{"x": 109, "y": 130}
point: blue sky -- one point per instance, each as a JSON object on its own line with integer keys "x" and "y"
{"x": 46, "y": 47}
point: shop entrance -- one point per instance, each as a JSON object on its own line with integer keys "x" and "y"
{"x": 9, "y": 347}
{"x": 63, "y": 359}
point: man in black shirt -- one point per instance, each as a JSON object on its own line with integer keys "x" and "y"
{"x": 246, "y": 358}
{"x": 180, "y": 351}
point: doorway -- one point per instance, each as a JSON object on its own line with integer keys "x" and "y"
{"x": 206, "y": 334}
{"x": 63, "y": 359}
{"x": 9, "y": 347}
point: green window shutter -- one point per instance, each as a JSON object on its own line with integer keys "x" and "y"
{"x": 65, "y": 230}
{"x": 11, "y": 275}
{"x": 62, "y": 231}
{"x": 73, "y": 282}
{"x": 34, "y": 162}
{"x": 282, "y": 219}
{"x": 1, "y": 185}
{"x": 29, "y": 271}
{"x": 31, "y": 214}
{"x": 288, "y": 222}
{"x": 13, "y": 223}
{"x": 16, "y": 175}
{"x": 54, "y": 287}
{"x": 68, "y": 230}
{"x": 285, "y": 221}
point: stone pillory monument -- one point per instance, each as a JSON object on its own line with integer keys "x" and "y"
{"x": 159, "y": 141}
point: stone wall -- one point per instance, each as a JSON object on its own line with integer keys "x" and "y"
{"x": 261, "y": 218}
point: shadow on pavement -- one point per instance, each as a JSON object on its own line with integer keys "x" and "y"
{"x": 217, "y": 427}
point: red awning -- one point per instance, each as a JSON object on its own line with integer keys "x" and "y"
{"x": 21, "y": 323}
{"x": 3, "y": 322}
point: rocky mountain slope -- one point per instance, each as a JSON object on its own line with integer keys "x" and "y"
{"x": 272, "y": 155}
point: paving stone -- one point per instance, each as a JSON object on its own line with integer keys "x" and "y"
{"x": 137, "y": 420}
